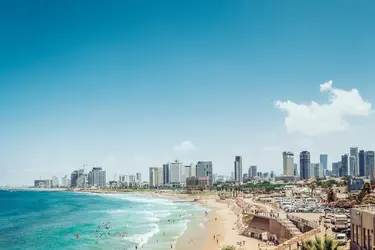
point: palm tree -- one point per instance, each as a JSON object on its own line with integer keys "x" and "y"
{"x": 318, "y": 244}
{"x": 312, "y": 186}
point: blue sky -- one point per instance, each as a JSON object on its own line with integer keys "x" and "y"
{"x": 121, "y": 83}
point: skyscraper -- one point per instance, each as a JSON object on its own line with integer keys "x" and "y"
{"x": 335, "y": 169}
{"x": 324, "y": 162}
{"x": 317, "y": 170}
{"x": 165, "y": 174}
{"x": 295, "y": 170}
{"x": 238, "y": 169}
{"x": 73, "y": 178}
{"x": 362, "y": 162}
{"x": 139, "y": 177}
{"x": 175, "y": 173}
{"x": 369, "y": 163}
{"x": 253, "y": 171}
{"x": 304, "y": 165}
{"x": 352, "y": 164}
{"x": 288, "y": 161}
{"x": 354, "y": 152}
{"x": 204, "y": 169}
{"x": 344, "y": 165}
{"x": 97, "y": 177}
{"x": 154, "y": 177}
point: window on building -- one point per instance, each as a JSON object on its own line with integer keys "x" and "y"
{"x": 359, "y": 236}
{"x": 369, "y": 239}
{"x": 356, "y": 234}
{"x": 364, "y": 238}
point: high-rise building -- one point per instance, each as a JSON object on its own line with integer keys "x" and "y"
{"x": 238, "y": 169}
{"x": 317, "y": 169}
{"x": 193, "y": 169}
{"x": 354, "y": 152}
{"x": 73, "y": 178}
{"x": 272, "y": 175}
{"x": 175, "y": 173}
{"x": 362, "y": 162}
{"x": 97, "y": 177}
{"x": 139, "y": 177}
{"x": 155, "y": 177}
{"x": 204, "y": 169}
{"x": 55, "y": 181}
{"x": 64, "y": 181}
{"x": 288, "y": 161}
{"x": 336, "y": 168}
{"x": 295, "y": 169}
{"x": 304, "y": 165}
{"x": 187, "y": 170}
{"x": 324, "y": 162}
{"x": 253, "y": 171}
{"x": 352, "y": 165}
{"x": 344, "y": 165}
{"x": 165, "y": 174}
{"x": 369, "y": 163}
{"x": 132, "y": 179}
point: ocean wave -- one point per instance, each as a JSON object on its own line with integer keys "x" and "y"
{"x": 141, "y": 239}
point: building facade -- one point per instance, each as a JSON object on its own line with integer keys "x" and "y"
{"x": 295, "y": 170}
{"x": 238, "y": 169}
{"x": 97, "y": 177}
{"x": 204, "y": 169}
{"x": 318, "y": 170}
{"x": 175, "y": 173}
{"x": 362, "y": 219}
{"x": 288, "y": 163}
{"x": 354, "y": 153}
{"x": 324, "y": 162}
{"x": 344, "y": 165}
{"x": 165, "y": 174}
{"x": 138, "y": 177}
{"x": 304, "y": 165}
{"x": 352, "y": 165}
{"x": 369, "y": 163}
{"x": 253, "y": 171}
{"x": 362, "y": 162}
{"x": 335, "y": 169}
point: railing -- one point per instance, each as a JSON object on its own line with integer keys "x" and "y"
{"x": 304, "y": 221}
{"x": 365, "y": 207}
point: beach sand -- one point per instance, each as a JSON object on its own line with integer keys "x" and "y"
{"x": 196, "y": 237}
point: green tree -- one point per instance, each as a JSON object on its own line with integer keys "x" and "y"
{"x": 320, "y": 244}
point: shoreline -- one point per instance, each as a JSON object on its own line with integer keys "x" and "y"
{"x": 218, "y": 230}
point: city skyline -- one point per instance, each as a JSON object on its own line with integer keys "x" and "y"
{"x": 130, "y": 85}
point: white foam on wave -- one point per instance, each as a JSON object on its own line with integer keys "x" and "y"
{"x": 117, "y": 211}
{"x": 201, "y": 225}
{"x": 141, "y": 239}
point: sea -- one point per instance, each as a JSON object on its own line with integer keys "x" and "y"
{"x": 73, "y": 220}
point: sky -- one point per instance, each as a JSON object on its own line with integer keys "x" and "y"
{"x": 131, "y": 84}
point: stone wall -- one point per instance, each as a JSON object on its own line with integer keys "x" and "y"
{"x": 261, "y": 224}
{"x": 302, "y": 224}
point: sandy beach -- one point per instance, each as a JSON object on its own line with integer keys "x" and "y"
{"x": 219, "y": 231}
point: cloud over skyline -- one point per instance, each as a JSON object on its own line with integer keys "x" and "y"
{"x": 184, "y": 147}
{"x": 318, "y": 119}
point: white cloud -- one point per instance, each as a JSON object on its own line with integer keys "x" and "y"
{"x": 318, "y": 119}
{"x": 185, "y": 146}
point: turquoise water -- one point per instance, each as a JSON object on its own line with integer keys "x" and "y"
{"x": 52, "y": 220}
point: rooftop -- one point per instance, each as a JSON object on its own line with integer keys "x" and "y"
{"x": 367, "y": 208}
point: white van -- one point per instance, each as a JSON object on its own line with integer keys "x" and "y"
{"x": 341, "y": 239}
